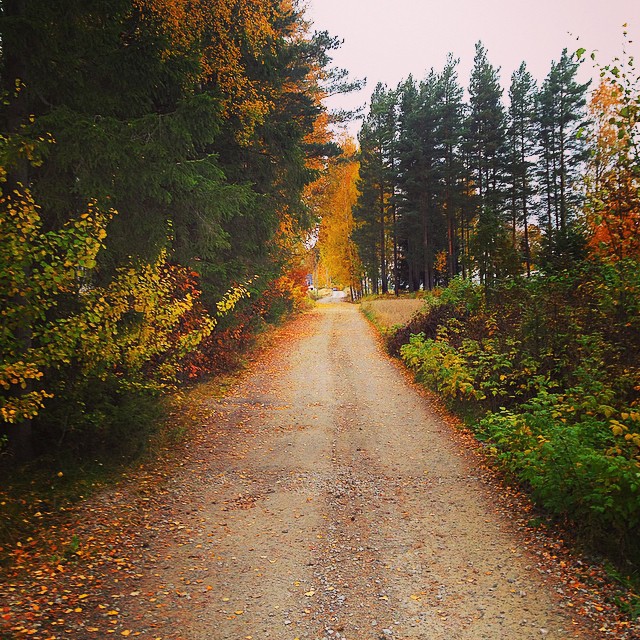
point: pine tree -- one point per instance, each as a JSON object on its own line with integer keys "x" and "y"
{"x": 522, "y": 137}
{"x": 561, "y": 114}
{"x": 374, "y": 209}
{"x": 421, "y": 170}
{"x": 430, "y": 177}
{"x": 450, "y": 133}
{"x": 407, "y": 199}
{"x": 485, "y": 142}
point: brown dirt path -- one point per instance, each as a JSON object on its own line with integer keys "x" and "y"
{"x": 328, "y": 501}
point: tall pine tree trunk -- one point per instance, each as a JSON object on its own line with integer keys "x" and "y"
{"x": 426, "y": 245}
{"x": 547, "y": 168}
{"x": 451, "y": 245}
{"x": 396, "y": 267}
{"x": 383, "y": 241}
{"x": 514, "y": 216}
{"x": 563, "y": 204}
{"x": 556, "y": 199}
{"x": 525, "y": 213}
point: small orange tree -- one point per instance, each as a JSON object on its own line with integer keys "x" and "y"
{"x": 613, "y": 199}
{"x": 613, "y": 203}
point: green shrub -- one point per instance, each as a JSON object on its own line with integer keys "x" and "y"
{"x": 571, "y": 462}
{"x": 546, "y": 371}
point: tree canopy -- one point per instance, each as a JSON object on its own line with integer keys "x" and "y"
{"x": 155, "y": 156}
{"x": 476, "y": 188}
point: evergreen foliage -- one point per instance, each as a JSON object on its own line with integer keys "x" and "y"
{"x": 196, "y": 130}
{"x": 480, "y": 190}
{"x": 522, "y": 135}
{"x": 373, "y": 213}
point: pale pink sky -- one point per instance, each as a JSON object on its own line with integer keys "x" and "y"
{"x": 386, "y": 40}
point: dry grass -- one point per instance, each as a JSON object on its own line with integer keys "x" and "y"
{"x": 388, "y": 313}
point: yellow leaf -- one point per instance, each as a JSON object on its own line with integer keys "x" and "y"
{"x": 617, "y": 429}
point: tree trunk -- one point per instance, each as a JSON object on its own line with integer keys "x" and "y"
{"x": 563, "y": 204}
{"x": 396, "y": 269}
{"x": 383, "y": 240}
{"x": 525, "y": 214}
{"x": 426, "y": 245}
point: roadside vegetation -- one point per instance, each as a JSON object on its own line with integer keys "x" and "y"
{"x": 527, "y": 253}
{"x": 390, "y": 314}
{"x": 545, "y": 372}
{"x": 157, "y": 163}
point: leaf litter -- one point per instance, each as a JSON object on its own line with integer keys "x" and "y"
{"x": 79, "y": 573}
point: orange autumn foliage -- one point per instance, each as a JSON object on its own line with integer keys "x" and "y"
{"x": 229, "y": 36}
{"x": 333, "y": 199}
{"x": 613, "y": 211}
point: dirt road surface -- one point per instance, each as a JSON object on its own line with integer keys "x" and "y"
{"x": 328, "y": 501}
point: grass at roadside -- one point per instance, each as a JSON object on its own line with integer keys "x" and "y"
{"x": 387, "y": 313}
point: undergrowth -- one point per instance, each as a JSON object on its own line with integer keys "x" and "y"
{"x": 546, "y": 372}
{"x": 93, "y": 435}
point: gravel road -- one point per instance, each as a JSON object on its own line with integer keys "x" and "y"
{"x": 329, "y": 501}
